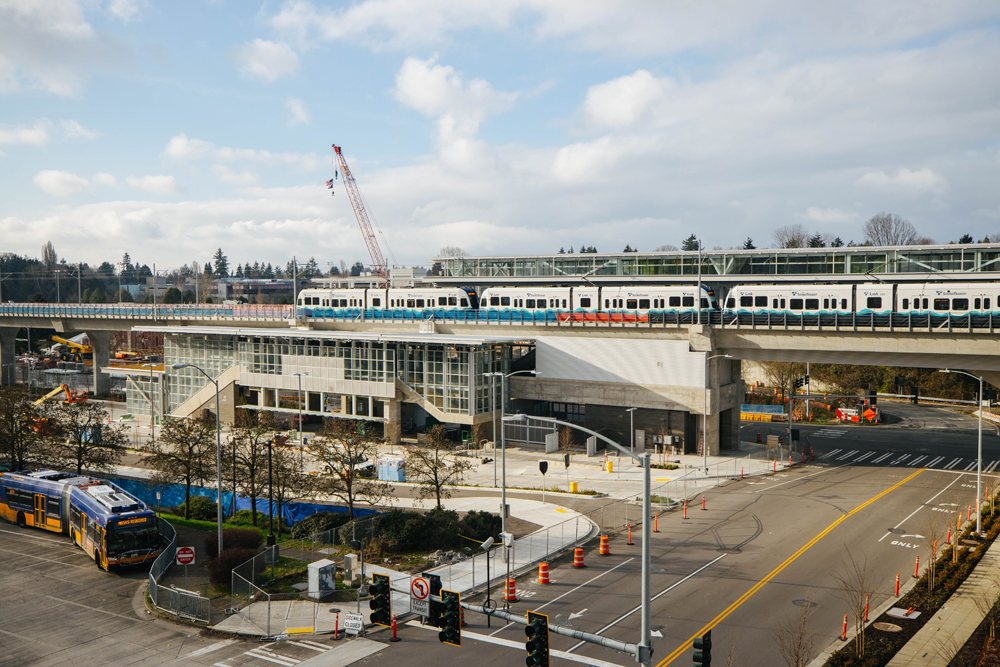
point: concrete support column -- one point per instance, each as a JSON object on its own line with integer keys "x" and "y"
{"x": 394, "y": 421}
{"x": 100, "y": 341}
{"x": 7, "y": 356}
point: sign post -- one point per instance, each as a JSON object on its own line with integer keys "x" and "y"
{"x": 185, "y": 557}
{"x": 566, "y": 461}
{"x": 420, "y": 590}
{"x": 543, "y": 467}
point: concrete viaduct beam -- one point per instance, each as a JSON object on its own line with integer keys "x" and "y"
{"x": 8, "y": 335}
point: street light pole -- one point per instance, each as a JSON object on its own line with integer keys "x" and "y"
{"x": 631, "y": 425}
{"x": 218, "y": 446}
{"x": 493, "y": 411}
{"x": 704, "y": 418}
{"x": 300, "y": 417}
{"x": 979, "y": 458}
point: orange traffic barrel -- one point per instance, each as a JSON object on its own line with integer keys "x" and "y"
{"x": 605, "y": 549}
{"x": 578, "y": 557}
{"x": 543, "y": 573}
{"x": 511, "y": 593}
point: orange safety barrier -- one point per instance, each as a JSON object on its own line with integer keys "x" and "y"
{"x": 543, "y": 573}
{"x": 578, "y": 557}
{"x": 510, "y": 595}
{"x": 605, "y": 548}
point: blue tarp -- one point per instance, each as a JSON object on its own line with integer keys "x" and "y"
{"x": 763, "y": 409}
{"x": 172, "y": 495}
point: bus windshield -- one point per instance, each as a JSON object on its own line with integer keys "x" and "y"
{"x": 122, "y": 539}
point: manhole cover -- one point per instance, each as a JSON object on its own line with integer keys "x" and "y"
{"x": 887, "y": 627}
{"x": 808, "y": 604}
{"x": 896, "y": 531}
{"x": 731, "y": 552}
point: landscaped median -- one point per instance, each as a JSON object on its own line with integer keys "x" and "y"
{"x": 887, "y": 635}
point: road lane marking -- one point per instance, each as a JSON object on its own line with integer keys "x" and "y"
{"x": 210, "y": 648}
{"x": 663, "y": 592}
{"x": 848, "y": 455}
{"x": 261, "y": 654}
{"x": 680, "y": 650}
{"x": 863, "y": 457}
{"x": 900, "y": 459}
{"x": 589, "y": 581}
{"x": 35, "y": 537}
{"x": 918, "y": 460}
{"x": 883, "y": 457}
{"x": 992, "y": 466}
{"x": 953, "y": 463}
{"x": 921, "y": 507}
{"x": 934, "y": 462}
{"x": 831, "y": 453}
{"x": 799, "y": 479}
{"x": 306, "y": 641}
{"x": 311, "y": 647}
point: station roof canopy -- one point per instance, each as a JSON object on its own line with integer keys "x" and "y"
{"x": 977, "y": 261}
{"x": 441, "y": 339}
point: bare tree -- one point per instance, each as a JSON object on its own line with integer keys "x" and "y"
{"x": 21, "y": 427}
{"x": 288, "y": 481}
{"x": 185, "y": 452}
{"x": 84, "y": 438}
{"x": 452, "y": 251}
{"x": 344, "y": 445}
{"x": 934, "y": 533}
{"x": 666, "y": 248}
{"x": 889, "y": 229}
{"x": 49, "y": 256}
{"x": 250, "y": 437}
{"x": 428, "y": 466}
{"x": 857, "y": 583}
{"x": 790, "y": 236}
{"x": 795, "y": 638}
{"x": 781, "y": 373}
{"x": 986, "y": 602}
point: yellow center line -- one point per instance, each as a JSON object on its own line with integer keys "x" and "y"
{"x": 776, "y": 571}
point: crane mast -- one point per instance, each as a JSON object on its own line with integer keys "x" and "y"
{"x": 354, "y": 194}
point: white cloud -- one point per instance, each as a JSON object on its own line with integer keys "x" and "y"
{"x": 830, "y": 215}
{"x": 60, "y": 183}
{"x": 623, "y": 101}
{"x": 924, "y": 180}
{"x": 265, "y": 61}
{"x": 36, "y": 135}
{"x": 101, "y": 178}
{"x": 182, "y": 147}
{"x": 160, "y": 185}
{"x": 48, "y": 45}
{"x": 297, "y": 112}
{"x": 227, "y": 175}
{"x": 73, "y": 130}
{"x": 125, "y": 10}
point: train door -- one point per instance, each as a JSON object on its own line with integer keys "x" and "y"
{"x": 39, "y": 510}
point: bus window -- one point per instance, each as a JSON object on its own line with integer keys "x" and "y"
{"x": 585, "y": 302}
{"x": 495, "y": 301}
{"x": 747, "y": 301}
{"x": 632, "y": 304}
{"x": 959, "y": 304}
{"x": 874, "y": 302}
{"x": 941, "y": 304}
{"x": 795, "y": 304}
{"x": 53, "y": 507}
{"x": 687, "y": 301}
{"x": 812, "y": 304}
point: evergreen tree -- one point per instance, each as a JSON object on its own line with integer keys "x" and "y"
{"x": 357, "y": 269}
{"x": 966, "y": 238}
{"x": 571, "y": 250}
{"x": 208, "y": 268}
{"x": 562, "y": 251}
{"x": 239, "y": 271}
{"x": 221, "y": 264}
{"x": 256, "y": 270}
{"x": 629, "y": 248}
{"x": 268, "y": 271}
{"x": 748, "y": 244}
{"x": 837, "y": 243}
{"x": 690, "y": 243}
{"x": 816, "y": 241}
{"x": 311, "y": 269}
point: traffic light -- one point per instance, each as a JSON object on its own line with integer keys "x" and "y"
{"x": 451, "y": 618}
{"x": 434, "y": 608}
{"x": 800, "y": 382}
{"x": 703, "y": 650}
{"x": 538, "y": 640}
{"x": 381, "y": 602}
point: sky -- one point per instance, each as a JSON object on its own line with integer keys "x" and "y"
{"x": 170, "y": 129}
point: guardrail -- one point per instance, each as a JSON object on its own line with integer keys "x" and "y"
{"x": 176, "y": 601}
{"x": 148, "y": 311}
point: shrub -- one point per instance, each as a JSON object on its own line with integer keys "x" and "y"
{"x": 245, "y": 518}
{"x": 233, "y": 538}
{"x": 478, "y": 525}
{"x": 220, "y": 569}
{"x": 318, "y": 523}
{"x": 202, "y": 508}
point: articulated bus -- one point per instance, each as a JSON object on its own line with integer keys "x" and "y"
{"x": 114, "y": 528}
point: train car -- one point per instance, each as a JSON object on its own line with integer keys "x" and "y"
{"x": 340, "y": 303}
{"x": 791, "y": 299}
{"x": 874, "y": 299}
{"x": 953, "y": 299}
{"x": 548, "y": 303}
{"x": 634, "y": 304}
{"x": 113, "y": 527}
{"x": 423, "y": 301}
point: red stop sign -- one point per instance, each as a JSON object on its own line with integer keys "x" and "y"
{"x": 185, "y": 555}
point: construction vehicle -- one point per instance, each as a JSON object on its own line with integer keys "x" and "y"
{"x": 71, "y": 349}
{"x": 71, "y": 396}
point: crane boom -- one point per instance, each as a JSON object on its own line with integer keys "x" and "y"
{"x": 354, "y": 194}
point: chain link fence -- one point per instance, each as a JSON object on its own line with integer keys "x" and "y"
{"x": 170, "y": 599}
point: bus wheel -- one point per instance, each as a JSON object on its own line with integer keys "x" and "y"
{"x": 97, "y": 559}
{"x": 20, "y": 520}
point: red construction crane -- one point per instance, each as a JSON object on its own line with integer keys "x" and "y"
{"x": 378, "y": 261}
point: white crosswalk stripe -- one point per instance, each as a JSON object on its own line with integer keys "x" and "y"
{"x": 829, "y": 433}
{"x": 312, "y": 646}
{"x": 263, "y": 654}
{"x": 899, "y": 460}
{"x": 917, "y": 460}
{"x": 863, "y": 457}
{"x": 883, "y": 457}
{"x": 992, "y": 466}
{"x": 848, "y": 455}
{"x": 831, "y": 453}
{"x": 953, "y": 463}
{"x": 971, "y": 465}
{"x": 934, "y": 462}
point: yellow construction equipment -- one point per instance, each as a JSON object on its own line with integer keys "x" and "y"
{"x": 71, "y": 396}
{"x": 75, "y": 351}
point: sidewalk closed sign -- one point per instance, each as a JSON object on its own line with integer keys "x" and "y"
{"x": 354, "y": 623}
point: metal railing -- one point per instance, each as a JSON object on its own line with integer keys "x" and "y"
{"x": 170, "y": 599}
{"x": 149, "y": 311}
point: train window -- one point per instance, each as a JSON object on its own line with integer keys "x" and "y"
{"x": 747, "y": 300}
{"x": 925, "y": 304}
{"x": 795, "y": 304}
{"x": 843, "y": 304}
{"x": 531, "y": 303}
{"x": 731, "y": 302}
{"x": 826, "y": 304}
{"x": 705, "y": 303}
{"x": 376, "y": 302}
{"x": 942, "y": 304}
{"x": 343, "y": 303}
{"x": 874, "y": 302}
{"x": 632, "y": 304}
{"x": 495, "y": 301}
{"x": 484, "y": 302}
{"x": 453, "y": 301}
{"x": 774, "y": 304}
{"x": 906, "y": 304}
{"x": 607, "y": 303}
{"x": 812, "y": 304}
{"x": 564, "y": 303}
{"x": 585, "y": 302}
{"x": 687, "y": 301}
{"x": 782, "y": 303}
{"x": 410, "y": 303}
{"x": 675, "y": 301}
{"x": 442, "y": 301}
{"x": 979, "y": 304}
{"x": 959, "y": 304}
{"x": 644, "y": 304}
{"x": 986, "y": 303}
{"x": 420, "y": 303}
{"x": 504, "y": 301}
{"x": 465, "y": 302}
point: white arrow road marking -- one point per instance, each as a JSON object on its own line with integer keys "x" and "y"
{"x": 577, "y": 614}
{"x": 919, "y": 537}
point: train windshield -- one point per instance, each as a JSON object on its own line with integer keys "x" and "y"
{"x": 123, "y": 538}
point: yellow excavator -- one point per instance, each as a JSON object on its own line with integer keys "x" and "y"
{"x": 68, "y": 349}
{"x": 71, "y": 396}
